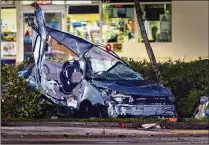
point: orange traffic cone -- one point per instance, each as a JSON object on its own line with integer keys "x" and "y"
{"x": 172, "y": 120}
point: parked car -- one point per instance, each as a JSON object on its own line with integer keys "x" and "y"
{"x": 95, "y": 84}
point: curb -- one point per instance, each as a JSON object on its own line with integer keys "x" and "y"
{"x": 95, "y": 132}
{"x": 163, "y": 125}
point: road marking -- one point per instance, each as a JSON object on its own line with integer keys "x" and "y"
{"x": 189, "y": 131}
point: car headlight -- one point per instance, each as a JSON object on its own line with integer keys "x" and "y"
{"x": 171, "y": 98}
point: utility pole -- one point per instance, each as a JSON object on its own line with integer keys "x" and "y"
{"x": 146, "y": 41}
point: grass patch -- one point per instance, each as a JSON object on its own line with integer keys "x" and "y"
{"x": 109, "y": 120}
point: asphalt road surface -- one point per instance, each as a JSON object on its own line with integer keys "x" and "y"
{"x": 81, "y": 135}
{"x": 101, "y": 140}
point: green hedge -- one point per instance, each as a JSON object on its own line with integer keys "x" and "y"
{"x": 186, "y": 80}
{"x": 17, "y": 98}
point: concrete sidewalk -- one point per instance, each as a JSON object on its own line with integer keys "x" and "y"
{"x": 46, "y": 130}
{"x": 81, "y": 131}
{"x": 99, "y": 135}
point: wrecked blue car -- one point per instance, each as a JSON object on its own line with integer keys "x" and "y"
{"x": 81, "y": 75}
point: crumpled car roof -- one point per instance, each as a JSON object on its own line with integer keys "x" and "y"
{"x": 76, "y": 44}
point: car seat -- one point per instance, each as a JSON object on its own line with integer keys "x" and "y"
{"x": 65, "y": 76}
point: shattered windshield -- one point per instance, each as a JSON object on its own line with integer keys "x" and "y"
{"x": 102, "y": 65}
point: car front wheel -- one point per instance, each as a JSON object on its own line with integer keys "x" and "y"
{"x": 85, "y": 110}
{"x": 100, "y": 111}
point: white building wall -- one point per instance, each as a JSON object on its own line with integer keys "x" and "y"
{"x": 189, "y": 34}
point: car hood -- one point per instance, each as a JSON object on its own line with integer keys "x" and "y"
{"x": 132, "y": 87}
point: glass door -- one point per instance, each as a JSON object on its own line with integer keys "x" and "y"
{"x": 28, "y": 35}
{"x": 53, "y": 20}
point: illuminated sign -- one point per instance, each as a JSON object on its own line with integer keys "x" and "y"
{"x": 44, "y": 2}
{"x": 118, "y": 6}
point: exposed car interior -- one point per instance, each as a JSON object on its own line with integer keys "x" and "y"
{"x": 59, "y": 65}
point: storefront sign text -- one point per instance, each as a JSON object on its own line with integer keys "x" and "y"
{"x": 44, "y": 2}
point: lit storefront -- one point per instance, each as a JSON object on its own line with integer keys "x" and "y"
{"x": 170, "y": 26}
{"x": 8, "y": 32}
{"x": 157, "y": 19}
{"x": 54, "y": 11}
{"x": 118, "y": 25}
{"x": 84, "y": 22}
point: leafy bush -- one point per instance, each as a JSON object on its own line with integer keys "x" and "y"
{"x": 17, "y": 98}
{"x": 186, "y": 80}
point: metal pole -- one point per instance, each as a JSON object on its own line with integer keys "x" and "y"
{"x": 146, "y": 42}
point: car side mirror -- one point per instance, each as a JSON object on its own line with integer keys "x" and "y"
{"x": 76, "y": 77}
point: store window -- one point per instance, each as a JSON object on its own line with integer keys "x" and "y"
{"x": 29, "y": 35}
{"x": 57, "y": 52}
{"x": 83, "y": 21}
{"x": 7, "y": 2}
{"x": 157, "y": 20}
{"x": 118, "y": 23}
{"x": 8, "y": 33}
{"x": 53, "y": 20}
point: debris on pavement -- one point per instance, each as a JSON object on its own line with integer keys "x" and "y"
{"x": 150, "y": 125}
{"x": 202, "y": 109}
{"x": 53, "y": 117}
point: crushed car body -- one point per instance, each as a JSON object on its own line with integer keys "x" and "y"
{"x": 96, "y": 83}
{"x": 202, "y": 110}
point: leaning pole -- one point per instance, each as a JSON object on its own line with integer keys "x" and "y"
{"x": 146, "y": 42}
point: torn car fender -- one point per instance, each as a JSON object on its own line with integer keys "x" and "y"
{"x": 86, "y": 91}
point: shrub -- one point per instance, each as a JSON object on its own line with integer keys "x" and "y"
{"x": 17, "y": 98}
